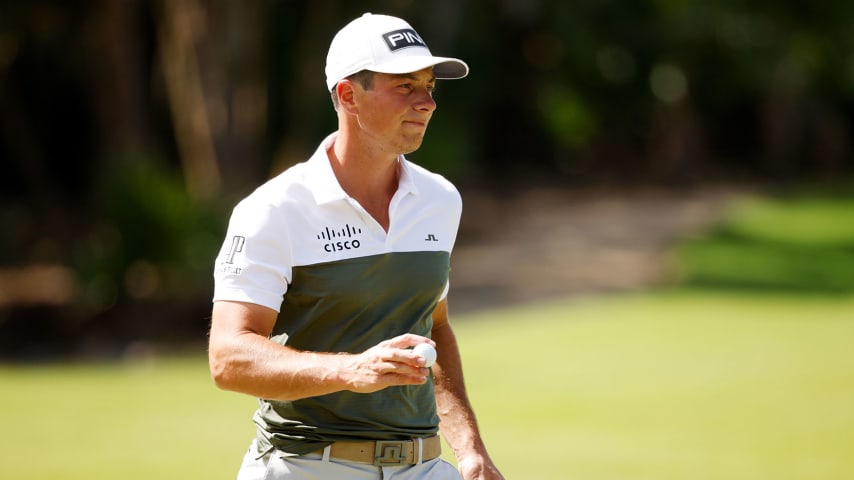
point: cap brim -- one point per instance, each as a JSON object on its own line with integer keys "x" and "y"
{"x": 443, "y": 68}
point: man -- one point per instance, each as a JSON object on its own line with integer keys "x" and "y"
{"x": 331, "y": 272}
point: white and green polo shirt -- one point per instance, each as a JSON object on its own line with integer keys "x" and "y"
{"x": 300, "y": 245}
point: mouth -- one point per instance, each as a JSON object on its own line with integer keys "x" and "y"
{"x": 416, "y": 123}
{"x": 413, "y": 124}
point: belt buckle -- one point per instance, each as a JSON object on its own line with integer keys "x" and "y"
{"x": 391, "y": 452}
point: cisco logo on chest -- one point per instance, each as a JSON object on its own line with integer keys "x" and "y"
{"x": 338, "y": 239}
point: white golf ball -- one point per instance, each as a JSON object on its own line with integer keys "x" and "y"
{"x": 427, "y": 351}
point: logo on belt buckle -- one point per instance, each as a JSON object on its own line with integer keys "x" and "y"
{"x": 390, "y": 452}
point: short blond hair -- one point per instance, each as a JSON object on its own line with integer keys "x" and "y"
{"x": 365, "y": 79}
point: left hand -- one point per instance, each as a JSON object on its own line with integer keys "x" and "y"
{"x": 478, "y": 469}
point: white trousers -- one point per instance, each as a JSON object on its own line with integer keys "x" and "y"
{"x": 275, "y": 466}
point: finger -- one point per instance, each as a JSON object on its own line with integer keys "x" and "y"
{"x": 387, "y": 359}
{"x": 407, "y": 340}
{"x": 406, "y": 356}
{"x": 403, "y": 379}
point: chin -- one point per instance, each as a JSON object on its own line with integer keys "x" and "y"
{"x": 410, "y": 149}
{"x": 411, "y": 145}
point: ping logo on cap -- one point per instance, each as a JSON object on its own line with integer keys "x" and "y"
{"x": 403, "y": 38}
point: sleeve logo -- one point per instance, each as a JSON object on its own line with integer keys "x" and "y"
{"x": 236, "y": 246}
{"x": 227, "y": 266}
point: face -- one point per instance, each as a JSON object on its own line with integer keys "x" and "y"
{"x": 394, "y": 113}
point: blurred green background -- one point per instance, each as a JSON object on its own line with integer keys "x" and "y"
{"x": 662, "y": 159}
{"x": 665, "y": 385}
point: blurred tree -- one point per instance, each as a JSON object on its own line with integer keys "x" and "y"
{"x": 128, "y": 129}
{"x": 179, "y": 26}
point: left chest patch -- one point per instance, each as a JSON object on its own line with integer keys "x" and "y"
{"x": 337, "y": 238}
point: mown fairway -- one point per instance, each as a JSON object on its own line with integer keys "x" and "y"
{"x": 660, "y": 386}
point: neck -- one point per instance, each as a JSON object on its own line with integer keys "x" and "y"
{"x": 370, "y": 177}
{"x": 362, "y": 169}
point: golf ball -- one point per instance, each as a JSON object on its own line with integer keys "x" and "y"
{"x": 427, "y": 351}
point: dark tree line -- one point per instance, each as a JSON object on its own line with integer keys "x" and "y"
{"x": 129, "y": 128}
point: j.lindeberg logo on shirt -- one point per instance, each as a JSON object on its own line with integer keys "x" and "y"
{"x": 338, "y": 239}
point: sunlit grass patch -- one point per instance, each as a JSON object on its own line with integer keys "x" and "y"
{"x": 796, "y": 242}
{"x": 670, "y": 385}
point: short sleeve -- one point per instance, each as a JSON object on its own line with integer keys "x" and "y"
{"x": 254, "y": 264}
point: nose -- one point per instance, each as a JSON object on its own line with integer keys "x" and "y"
{"x": 424, "y": 101}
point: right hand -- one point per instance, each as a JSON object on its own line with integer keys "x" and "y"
{"x": 388, "y": 363}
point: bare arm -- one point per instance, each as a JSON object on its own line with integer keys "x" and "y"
{"x": 243, "y": 359}
{"x": 459, "y": 425}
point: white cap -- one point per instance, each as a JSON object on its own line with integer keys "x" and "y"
{"x": 384, "y": 44}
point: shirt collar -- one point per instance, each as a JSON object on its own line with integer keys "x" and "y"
{"x": 324, "y": 183}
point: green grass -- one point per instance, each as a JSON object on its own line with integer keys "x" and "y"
{"x": 669, "y": 385}
{"x": 803, "y": 241}
{"x": 682, "y": 385}
{"x": 160, "y": 419}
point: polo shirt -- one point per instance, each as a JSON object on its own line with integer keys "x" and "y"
{"x": 303, "y": 247}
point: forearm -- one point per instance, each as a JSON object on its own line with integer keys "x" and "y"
{"x": 458, "y": 423}
{"x": 254, "y": 365}
{"x": 243, "y": 359}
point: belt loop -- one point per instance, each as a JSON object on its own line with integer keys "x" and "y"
{"x": 326, "y": 450}
{"x": 420, "y": 451}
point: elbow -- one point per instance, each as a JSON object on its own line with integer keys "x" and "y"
{"x": 221, "y": 371}
{"x": 218, "y": 374}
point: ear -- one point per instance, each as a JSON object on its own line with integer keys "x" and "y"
{"x": 346, "y": 92}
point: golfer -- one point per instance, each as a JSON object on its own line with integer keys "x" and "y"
{"x": 330, "y": 274}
